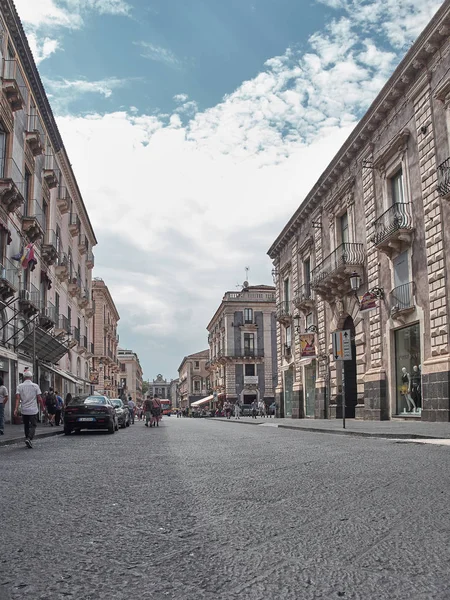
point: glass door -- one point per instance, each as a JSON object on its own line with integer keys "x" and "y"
{"x": 288, "y": 392}
{"x": 310, "y": 389}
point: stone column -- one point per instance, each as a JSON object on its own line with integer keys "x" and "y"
{"x": 436, "y": 367}
{"x": 375, "y": 396}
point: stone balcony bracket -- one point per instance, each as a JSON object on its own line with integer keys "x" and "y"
{"x": 10, "y": 196}
{"x": 34, "y": 141}
{"x": 12, "y": 92}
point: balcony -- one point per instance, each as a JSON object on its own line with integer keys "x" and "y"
{"x": 62, "y": 326}
{"x": 50, "y": 247}
{"x": 90, "y": 262}
{"x": 62, "y": 267}
{"x": 89, "y": 310}
{"x": 84, "y": 298}
{"x": 11, "y": 185}
{"x": 76, "y": 335}
{"x": 394, "y": 229}
{"x": 9, "y": 279}
{"x": 74, "y": 224}
{"x": 250, "y": 379}
{"x": 284, "y": 311}
{"x": 35, "y": 134}
{"x": 48, "y": 317}
{"x": 443, "y": 173}
{"x": 33, "y": 223}
{"x": 14, "y": 86}
{"x": 29, "y": 300}
{"x": 401, "y": 301}
{"x": 82, "y": 243}
{"x": 51, "y": 172}
{"x": 303, "y": 298}
{"x": 225, "y": 355}
{"x": 246, "y": 296}
{"x": 331, "y": 277}
{"x": 83, "y": 344}
{"x": 63, "y": 199}
{"x": 74, "y": 287}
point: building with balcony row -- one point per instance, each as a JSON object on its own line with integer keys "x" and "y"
{"x": 130, "y": 382}
{"x": 367, "y": 251}
{"x": 46, "y": 238}
{"x": 105, "y": 369}
{"x": 242, "y": 346}
{"x": 193, "y": 378}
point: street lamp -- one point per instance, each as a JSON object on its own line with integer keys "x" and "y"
{"x": 355, "y": 284}
{"x": 310, "y": 329}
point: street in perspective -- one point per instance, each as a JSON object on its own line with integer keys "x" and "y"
{"x": 224, "y": 299}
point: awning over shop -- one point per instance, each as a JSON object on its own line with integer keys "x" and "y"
{"x": 202, "y": 401}
{"x": 61, "y": 373}
{"x": 48, "y": 347}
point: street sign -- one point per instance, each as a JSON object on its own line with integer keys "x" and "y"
{"x": 342, "y": 345}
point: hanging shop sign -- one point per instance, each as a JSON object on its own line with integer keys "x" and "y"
{"x": 93, "y": 377}
{"x": 307, "y": 345}
{"x": 368, "y": 302}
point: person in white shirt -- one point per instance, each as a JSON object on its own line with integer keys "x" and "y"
{"x": 29, "y": 394}
{"x": 3, "y": 401}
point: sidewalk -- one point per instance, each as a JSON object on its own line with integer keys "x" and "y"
{"x": 14, "y": 433}
{"x": 382, "y": 429}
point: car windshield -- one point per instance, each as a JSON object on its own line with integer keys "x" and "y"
{"x": 95, "y": 400}
{"x": 117, "y": 403}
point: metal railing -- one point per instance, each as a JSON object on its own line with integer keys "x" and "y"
{"x": 51, "y": 239}
{"x": 62, "y": 260}
{"x": 63, "y": 323}
{"x": 76, "y": 334}
{"x": 37, "y": 212}
{"x": 10, "y": 273}
{"x": 398, "y": 216}
{"x": 83, "y": 241}
{"x": 234, "y": 353}
{"x": 303, "y": 293}
{"x": 346, "y": 254}
{"x": 49, "y": 310}
{"x": 74, "y": 219}
{"x": 443, "y": 173}
{"x": 11, "y": 70}
{"x": 29, "y": 293}
{"x": 402, "y": 297}
{"x": 284, "y": 309}
{"x": 85, "y": 342}
{"x": 253, "y": 296}
{"x": 35, "y": 124}
{"x": 63, "y": 193}
{"x": 10, "y": 170}
{"x": 90, "y": 258}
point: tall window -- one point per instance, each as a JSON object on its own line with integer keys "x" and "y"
{"x": 248, "y": 315}
{"x": 45, "y": 214}
{"x": 249, "y": 343}
{"x": 344, "y": 228}
{"x": 27, "y": 192}
{"x": 249, "y": 370}
{"x": 196, "y": 386}
{"x": 288, "y": 337}
{"x": 287, "y": 290}
{"x": 57, "y": 303}
{"x": 3, "y": 139}
{"x": 397, "y": 188}
{"x": 69, "y": 316}
{"x": 58, "y": 239}
{"x": 197, "y": 365}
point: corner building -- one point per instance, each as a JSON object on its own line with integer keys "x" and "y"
{"x": 378, "y": 213}
{"x": 45, "y": 299}
{"x": 242, "y": 346}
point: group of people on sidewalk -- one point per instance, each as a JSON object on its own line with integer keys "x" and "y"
{"x": 257, "y": 409}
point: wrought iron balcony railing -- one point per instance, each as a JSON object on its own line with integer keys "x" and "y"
{"x": 401, "y": 298}
{"x": 303, "y": 295}
{"x": 12, "y": 72}
{"x": 443, "y": 173}
{"x": 284, "y": 310}
{"x": 35, "y": 124}
{"x": 347, "y": 254}
{"x": 9, "y": 273}
{"x": 398, "y": 217}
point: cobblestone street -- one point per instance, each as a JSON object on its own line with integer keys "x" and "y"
{"x": 198, "y": 509}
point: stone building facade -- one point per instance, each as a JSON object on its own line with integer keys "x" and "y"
{"x": 46, "y": 238}
{"x": 160, "y": 387}
{"x": 377, "y": 213}
{"x": 173, "y": 393}
{"x": 130, "y": 375}
{"x": 105, "y": 362}
{"x": 194, "y": 378}
{"x": 242, "y": 346}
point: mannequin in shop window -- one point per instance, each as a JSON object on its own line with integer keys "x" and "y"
{"x": 405, "y": 390}
{"x": 416, "y": 386}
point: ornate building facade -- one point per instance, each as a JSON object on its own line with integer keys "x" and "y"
{"x": 130, "y": 381}
{"x": 242, "y": 346}
{"x": 46, "y": 238}
{"x": 160, "y": 387}
{"x": 194, "y": 378}
{"x": 368, "y": 251}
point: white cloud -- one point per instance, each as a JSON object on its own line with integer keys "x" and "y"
{"x": 158, "y": 54}
{"x": 189, "y": 205}
{"x": 42, "y": 48}
{"x": 64, "y": 91}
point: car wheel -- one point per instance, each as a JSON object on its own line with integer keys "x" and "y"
{"x": 67, "y": 430}
{"x": 111, "y": 428}
{"x": 117, "y": 426}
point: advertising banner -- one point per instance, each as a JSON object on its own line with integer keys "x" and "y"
{"x": 307, "y": 345}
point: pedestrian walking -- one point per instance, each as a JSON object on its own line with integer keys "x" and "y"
{"x": 131, "y": 407}
{"x": 262, "y": 408}
{"x": 3, "y": 401}
{"x": 273, "y": 409}
{"x": 237, "y": 409}
{"x": 227, "y": 409}
{"x": 59, "y": 408}
{"x": 148, "y": 410}
{"x": 28, "y": 395}
{"x": 156, "y": 410}
{"x": 51, "y": 405}
{"x": 254, "y": 407}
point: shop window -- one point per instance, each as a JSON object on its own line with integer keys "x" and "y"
{"x": 408, "y": 370}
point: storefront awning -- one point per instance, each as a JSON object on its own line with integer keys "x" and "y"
{"x": 61, "y": 373}
{"x": 48, "y": 347}
{"x": 202, "y": 401}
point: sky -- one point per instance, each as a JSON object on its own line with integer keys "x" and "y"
{"x": 195, "y": 129}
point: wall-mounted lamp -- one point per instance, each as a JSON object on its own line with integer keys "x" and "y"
{"x": 312, "y": 329}
{"x": 355, "y": 284}
{"x": 297, "y": 323}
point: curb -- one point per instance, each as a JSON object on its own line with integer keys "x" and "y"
{"x": 37, "y": 436}
{"x": 388, "y": 436}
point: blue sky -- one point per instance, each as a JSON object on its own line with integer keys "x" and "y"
{"x": 196, "y": 128}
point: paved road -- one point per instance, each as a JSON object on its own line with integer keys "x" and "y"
{"x": 226, "y": 512}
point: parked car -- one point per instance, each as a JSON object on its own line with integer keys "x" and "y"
{"x": 90, "y": 412}
{"x": 122, "y": 412}
{"x": 246, "y": 410}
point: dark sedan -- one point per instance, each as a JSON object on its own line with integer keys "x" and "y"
{"x": 90, "y": 412}
{"x": 122, "y": 412}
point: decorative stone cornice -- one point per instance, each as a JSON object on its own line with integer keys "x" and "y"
{"x": 305, "y": 245}
{"x": 343, "y": 191}
{"x": 442, "y": 93}
{"x": 397, "y": 145}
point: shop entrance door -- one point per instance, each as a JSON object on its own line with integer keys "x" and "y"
{"x": 288, "y": 392}
{"x": 351, "y": 390}
{"x": 310, "y": 389}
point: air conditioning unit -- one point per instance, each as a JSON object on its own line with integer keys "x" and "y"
{"x": 24, "y": 295}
